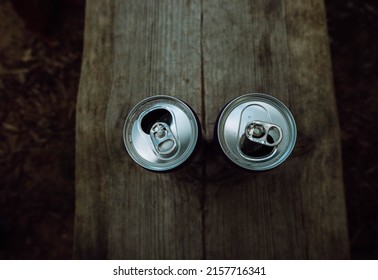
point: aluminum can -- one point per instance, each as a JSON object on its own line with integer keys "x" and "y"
{"x": 256, "y": 132}
{"x": 161, "y": 133}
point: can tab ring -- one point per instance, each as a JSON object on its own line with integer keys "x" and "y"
{"x": 163, "y": 140}
{"x": 264, "y": 133}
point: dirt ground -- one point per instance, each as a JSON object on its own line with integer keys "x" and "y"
{"x": 40, "y": 55}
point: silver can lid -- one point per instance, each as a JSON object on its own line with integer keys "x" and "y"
{"x": 256, "y": 131}
{"x": 160, "y": 133}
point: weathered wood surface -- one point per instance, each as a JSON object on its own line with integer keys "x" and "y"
{"x": 207, "y": 53}
{"x": 134, "y": 49}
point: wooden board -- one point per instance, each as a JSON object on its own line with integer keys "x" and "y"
{"x": 207, "y": 53}
{"x": 134, "y": 49}
{"x": 297, "y": 210}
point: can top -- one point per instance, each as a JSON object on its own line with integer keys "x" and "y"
{"x": 256, "y": 131}
{"x": 160, "y": 133}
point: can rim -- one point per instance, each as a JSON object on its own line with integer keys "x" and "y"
{"x": 133, "y": 152}
{"x": 233, "y": 103}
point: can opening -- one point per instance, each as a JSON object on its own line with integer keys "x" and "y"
{"x": 151, "y": 118}
{"x": 254, "y": 149}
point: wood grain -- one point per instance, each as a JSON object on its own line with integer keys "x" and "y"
{"x": 134, "y": 49}
{"x": 297, "y": 210}
{"x": 207, "y": 53}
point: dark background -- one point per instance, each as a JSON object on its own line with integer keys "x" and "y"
{"x": 40, "y": 55}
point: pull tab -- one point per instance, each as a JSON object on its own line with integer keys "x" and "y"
{"x": 162, "y": 138}
{"x": 264, "y": 133}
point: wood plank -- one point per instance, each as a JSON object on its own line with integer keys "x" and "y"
{"x": 295, "y": 211}
{"x": 207, "y": 53}
{"x": 134, "y": 49}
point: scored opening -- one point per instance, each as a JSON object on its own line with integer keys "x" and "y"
{"x": 158, "y": 115}
{"x": 256, "y": 150}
